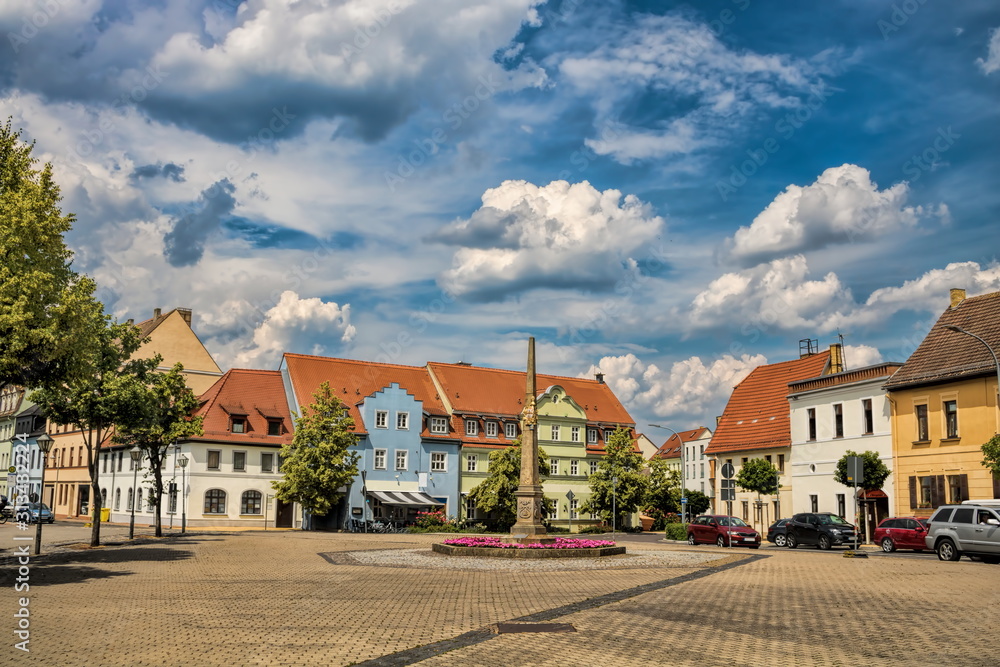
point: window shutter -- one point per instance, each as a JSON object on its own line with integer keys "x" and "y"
{"x": 963, "y": 486}
{"x": 937, "y": 491}
{"x": 996, "y": 485}
{"x": 913, "y": 493}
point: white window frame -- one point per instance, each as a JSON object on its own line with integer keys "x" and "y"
{"x": 574, "y": 434}
{"x": 553, "y": 467}
{"x": 381, "y": 419}
{"x": 607, "y": 434}
{"x": 439, "y": 425}
{"x": 472, "y": 427}
{"x": 592, "y": 435}
{"x": 554, "y": 432}
{"x": 404, "y": 455}
{"x": 267, "y": 456}
{"x": 439, "y": 462}
{"x": 492, "y": 429}
{"x": 471, "y": 462}
{"x": 574, "y": 467}
{"x": 402, "y": 421}
{"x": 574, "y": 505}
{"x": 593, "y": 467}
{"x": 208, "y": 460}
{"x": 510, "y": 430}
{"x": 380, "y": 453}
{"x": 242, "y": 468}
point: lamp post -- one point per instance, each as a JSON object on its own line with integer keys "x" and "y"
{"x": 44, "y": 445}
{"x": 614, "y": 505}
{"x": 996, "y": 362}
{"x": 681, "y": 440}
{"x": 183, "y": 462}
{"x": 135, "y": 454}
{"x": 173, "y": 483}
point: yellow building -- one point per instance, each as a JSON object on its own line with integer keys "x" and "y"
{"x": 944, "y": 407}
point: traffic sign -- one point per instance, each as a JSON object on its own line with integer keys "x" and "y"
{"x": 855, "y": 470}
{"x": 570, "y": 495}
{"x": 684, "y": 501}
{"x": 728, "y": 471}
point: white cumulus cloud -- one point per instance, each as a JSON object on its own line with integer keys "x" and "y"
{"x": 992, "y": 61}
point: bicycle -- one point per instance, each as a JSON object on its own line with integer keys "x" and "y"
{"x": 6, "y": 513}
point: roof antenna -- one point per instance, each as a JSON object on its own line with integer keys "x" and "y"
{"x": 843, "y": 352}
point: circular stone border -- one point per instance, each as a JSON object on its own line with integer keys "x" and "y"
{"x": 495, "y": 552}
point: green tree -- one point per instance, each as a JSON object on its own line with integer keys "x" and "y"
{"x": 318, "y": 461}
{"x": 697, "y": 502}
{"x": 759, "y": 476}
{"x": 991, "y": 455}
{"x": 619, "y": 482}
{"x": 44, "y": 304}
{"x": 162, "y": 414}
{"x": 875, "y": 472}
{"x": 496, "y": 492}
{"x": 663, "y": 496}
{"x": 107, "y": 390}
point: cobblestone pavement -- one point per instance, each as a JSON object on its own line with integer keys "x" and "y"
{"x": 299, "y": 598}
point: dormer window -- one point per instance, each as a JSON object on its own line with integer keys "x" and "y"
{"x": 592, "y": 435}
{"x": 274, "y": 427}
{"x": 239, "y": 425}
{"x": 510, "y": 430}
{"x": 439, "y": 425}
{"x": 471, "y": 427}
{"x": 492, "y": 429}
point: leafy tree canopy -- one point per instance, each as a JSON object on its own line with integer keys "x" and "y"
{"x": 44, "y": 304}
{"x": 991, "y": 454}
{"x": 496, "y": 492}
{"x": 318, "y": 461}
{"x": 875, "y": 471}
{"x": 759, "y": 476}
{"x": 619, "y": 481}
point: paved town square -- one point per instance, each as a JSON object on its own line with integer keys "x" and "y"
{"x": 310, "y": 598}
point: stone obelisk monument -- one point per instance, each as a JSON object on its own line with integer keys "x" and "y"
{"x": 529, "y": 527}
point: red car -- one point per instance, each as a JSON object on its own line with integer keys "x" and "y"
{"x": 905, "y": 532}
{"x": 722, "y": 530}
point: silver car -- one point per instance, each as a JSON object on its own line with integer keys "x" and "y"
{"x": 972, "y": 529}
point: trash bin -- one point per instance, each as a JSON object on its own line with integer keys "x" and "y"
{"x": 105, "y": 514}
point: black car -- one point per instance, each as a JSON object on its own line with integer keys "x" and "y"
{"x": 823, "y": 529}
{"x": 776, "y": 532}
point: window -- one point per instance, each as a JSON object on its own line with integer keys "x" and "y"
{"x": 574, "y": 434}
{"x": 869, "y": 416}
{"x": 215, "y": 501}
{"x": 743, "y": 462}
{"x": 592, "y": 435}
{"x": 470, "y": 508}
{"x": 927, "y": 491}
{"x": 439, "y": 425}
{"x": 574, "y": 467}
{"x": 781, "y": 463}
{"x": 239, "y": 461}
{"x": 104, "y": 497}
{"x": 439, "y": 462}
{"x": 838, "y": 421}
{"x": 841, "y": 504}
{"x": 172, "y": 499}
{"x": 492, "y": 429}
{"x": 250, "y": 502}
{"x": 553, "y": 466}
{"x": 104, "y": 462}
{"x": 607, "y": 434}
{"x": 472, "y": 462}
{"x": 951, "y": 419}
{"x": 266, "y": 462}
{"x": 958, "y": 488}
{"x": 401, "y": 459}
{"x": 574, "y": 505}
{"x": 510, "y": 430}
{"x": 921, "y": 412}
{"x": 811, "y": 416}
{"x": 274, "y": 427}
{"x": 471, "y": 427}
{"x": 555, "y": 432}
{"x": 381, "y": 419}
{"x": 118, "y": 499}
{"x": 214, "y": 458}
{"x": 593, "y": 467}
{"x": 702, "y": 470}
{"x": 239, "y": 425}
{"x": 746, "y": 510}
{"x": 128, "y": 502}
{"x": 379, "y": 459}
{"x": 403, "y": 421}
{"x": 814, "y": 503}
{"x": 138, "y": 500}
{"x": 121, "y": 457}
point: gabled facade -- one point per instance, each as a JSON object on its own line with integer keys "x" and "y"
{"x": 10, "y": 403}
{"x": 23, "y": 423}
{"x": 756, "y": 424}
{"x": 830, "y": 415}
{"x": 944, "y": 408}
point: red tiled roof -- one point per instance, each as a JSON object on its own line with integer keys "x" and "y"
{"x": 757, "y": 414}
{"x": 259, "y": 394}
{"x": 946, "y": 355}
{"x": 671, "y": 449}
{"x": 353, "y": 381}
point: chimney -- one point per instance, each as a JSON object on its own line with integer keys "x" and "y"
{"x": 156, "y": 313}
{"x": 836, "y": 358}
{"x": 718, "y": 420}
{"x": 186, "y": 314}
{"x": 130, "y": 321}
{"x": 957, "y": 296}
{"x": 599, "y": 376}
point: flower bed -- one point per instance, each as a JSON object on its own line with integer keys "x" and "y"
{"x": 497, "y": 543}
{"x": 495, "y": 547}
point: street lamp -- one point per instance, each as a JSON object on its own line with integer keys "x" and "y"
{"x": 996, "y": 362}
{"x": 45, "y": 445}
{"x": 614, "y": 505}
{"x": 172, "y": 497}
{"x": 681, "y": 440}
{"x": 183, "y": 462}
{"x": 135, "y": 453}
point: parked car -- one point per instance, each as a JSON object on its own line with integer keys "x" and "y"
{"x": 776, "y": 532}
{"x": 33, "y": 513}
{"x": 723, "y": 531}
{"x": 823, "y": 529}
{"x": 903, "y": 532}
{"x": 972, "y": 529}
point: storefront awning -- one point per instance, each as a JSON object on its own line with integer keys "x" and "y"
{"x": 403, "y": 498}
{"x": 871, "y": 495}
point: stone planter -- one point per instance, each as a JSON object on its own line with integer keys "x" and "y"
{"x": 493, "y": 552}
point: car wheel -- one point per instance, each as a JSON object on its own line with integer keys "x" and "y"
{"x": 823, "y": 542}
{"x": 791, "y": 541}
{"x": 691, "y": 539}
{"x": 946, "y": 550}
{"x": 721, "y": 541}
{"x": 888, "y": 546}
{"x": 779, "y": 540}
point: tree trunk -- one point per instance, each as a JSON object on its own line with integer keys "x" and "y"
{"x": 95, "y": 486}
{"x": 158, "y": 491}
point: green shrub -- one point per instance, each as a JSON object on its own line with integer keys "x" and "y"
{"x": 593, "y": 529}
{"x": 676, "y": 531}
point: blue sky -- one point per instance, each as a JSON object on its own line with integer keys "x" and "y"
{"x": 673, "y": 193}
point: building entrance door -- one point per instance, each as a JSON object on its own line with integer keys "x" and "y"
{"x": 285, "y": 514}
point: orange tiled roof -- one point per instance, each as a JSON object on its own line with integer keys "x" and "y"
{"x": 254, "y": 394}
{"x": 757, "y": 414}
{"x": 671, "y": 449}
{"x": 353, "y": 381}
{"x": 946, "y": 355}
